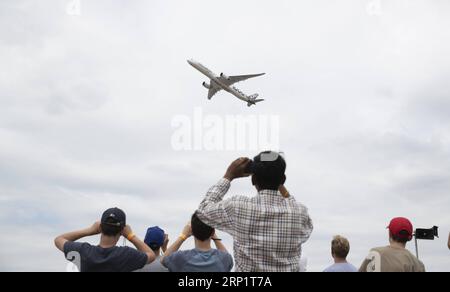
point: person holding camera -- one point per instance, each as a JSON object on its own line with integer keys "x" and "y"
{"x": 395, "y": 257}
{"x": 157, "y": 240}
{"x": 448, "y": 243}
{"x": 201, "y": 259}
{"x": 268, "y": 229}
{"x": 106, "y": 257}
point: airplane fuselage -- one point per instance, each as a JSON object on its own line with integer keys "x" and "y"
{"x": 217, "y": 80}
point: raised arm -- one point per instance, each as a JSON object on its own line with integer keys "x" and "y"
{"x": 448, "y": 241}
{"x": 61, "y": 240}
{"x": 185, "y": 234}
{"x": 284, "y": 192}
{"x": 219, "y": 245}
{"x": 139, "y": 244}
{"x": 215, "y": 211}
{"x": 306, "y": 223}
{"x": 165, "y": 244}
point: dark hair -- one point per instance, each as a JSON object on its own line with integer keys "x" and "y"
{"x": 402, "y": 237}
{"x": 200, "y": 230}
{"x": 109, "y": 228}
{"x": 154, "y": 247}
{"x": 269, "y": 174}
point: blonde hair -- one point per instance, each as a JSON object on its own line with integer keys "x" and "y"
{"x": 340, "y": 247}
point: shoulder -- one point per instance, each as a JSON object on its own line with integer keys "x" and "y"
{"x": 294, "y": 203}
{"x": 182, "y": 255}
{"x": 376, "y": 253}
{"x": 352, "y": 268}
{"x": 222, "y": 254}
{"x": 132, "y": 254}
{"x": 76, "y": 246}
{"x": 420, "y": 266}
{"x": 381, "y": 249}
{"x": 329, "y": 269}
{"x": 126, "y": 249}
{"x": 225, "y": 258}
{"x": 240, "y": 200}
{"x": 300, "y": 210}
{"x": 178, "y": 258}
{"x": 301, "y": 207}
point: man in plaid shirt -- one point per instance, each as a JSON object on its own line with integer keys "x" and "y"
{"x": 269, "y": 229}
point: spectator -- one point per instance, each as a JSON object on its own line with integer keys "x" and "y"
{"x": 448, "y": 243}
{"x": 395, "y": 257}
{"x": 340, "y": 248}
{"x": 157, "y": 240}
{"x": 201, "y": 259}
{"x": 268, "y": 229}
{"x": 106, "y": 257}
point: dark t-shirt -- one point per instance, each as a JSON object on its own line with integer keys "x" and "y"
{"x": 97, "y": 259}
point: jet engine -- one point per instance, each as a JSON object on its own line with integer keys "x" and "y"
{"x": 224, "y": 76}
{"x": 206, "y": 85}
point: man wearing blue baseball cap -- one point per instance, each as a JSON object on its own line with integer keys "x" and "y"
{"x": 157, "y": 240}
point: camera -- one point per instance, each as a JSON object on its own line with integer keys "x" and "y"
{"x": 268, "y": 156}
{"x": 427, "y": 234}
{"x": 250, "y": 168}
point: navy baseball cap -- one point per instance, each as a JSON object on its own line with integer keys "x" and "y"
{"x": 155, "y": 237}
{"x": 115, "y": 217}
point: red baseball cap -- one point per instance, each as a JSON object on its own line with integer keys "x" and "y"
{"x": 400, "y": 224}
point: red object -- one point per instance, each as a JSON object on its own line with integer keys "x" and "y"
{"x": 398, "y": 225}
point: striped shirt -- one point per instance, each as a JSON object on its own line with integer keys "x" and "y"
{"x": 268, "y": 230}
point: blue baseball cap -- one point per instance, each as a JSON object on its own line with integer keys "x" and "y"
{"x": 154, "y": 237}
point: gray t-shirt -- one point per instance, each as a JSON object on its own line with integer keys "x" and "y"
{"x": 154, "y": 267}
{"x": 199, "y": 261}
{"x": 98, "y": 259}
{"x": 341, "y": 268}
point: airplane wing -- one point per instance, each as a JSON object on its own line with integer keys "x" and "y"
{"x": 235, "y": 79}
{"x": 213, "y": 90}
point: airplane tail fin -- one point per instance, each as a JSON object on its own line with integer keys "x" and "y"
{"x": 253, "y": 99}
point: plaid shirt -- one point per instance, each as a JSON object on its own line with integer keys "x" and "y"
{"x": 268, "y": 230}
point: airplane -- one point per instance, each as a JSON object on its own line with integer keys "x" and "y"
{"x": 224, "y": 82}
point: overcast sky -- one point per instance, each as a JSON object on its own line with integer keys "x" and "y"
{"x": 361, "y": 89}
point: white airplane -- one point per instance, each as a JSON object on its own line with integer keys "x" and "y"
{"x": 223, "y": 82}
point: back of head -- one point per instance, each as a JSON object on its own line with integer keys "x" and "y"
{"x": 200, "y": 230}
{"x": 401, "y": 237}
{"x": 113, "y": 222}
{"x": 269, "y": 170}
{"x": 401, "y": 230}
{"x": 340, "y": 247}
{"x": 154, "y": 238}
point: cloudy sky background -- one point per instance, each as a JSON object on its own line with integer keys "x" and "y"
{"x": 362, "y": 91}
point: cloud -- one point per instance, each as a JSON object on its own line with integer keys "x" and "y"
{"x": 87, "y": 103}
